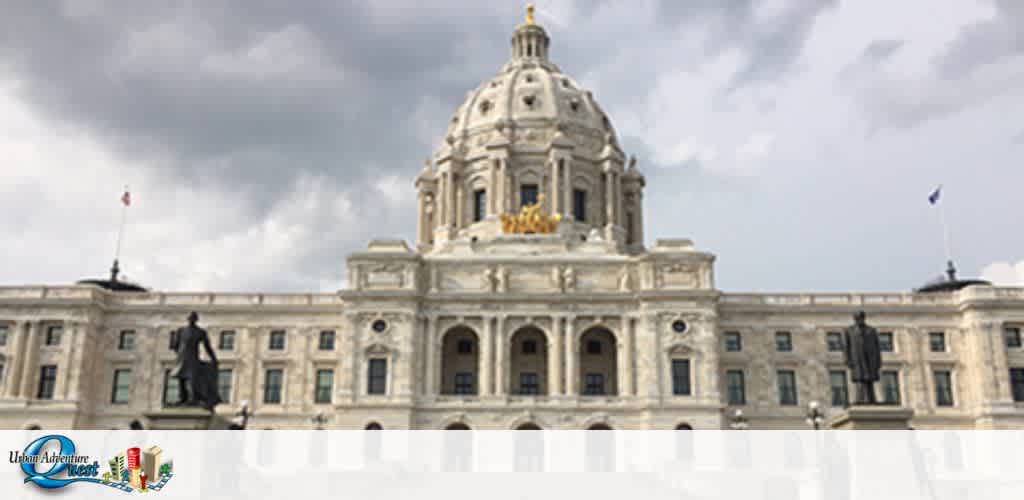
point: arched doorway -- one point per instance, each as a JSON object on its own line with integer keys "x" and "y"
{"x": 529, "y": 448}
{"x": 684, "y": 442}
{"x": 528, "y": 362}
{"x": 457, "y": 426}
{"x": 529, "y": 426}
{"x": 373, "y": 426}
{"x": 460, "y": 355}
{"x": 598, "y": 359}
{"x": 457, "y": 449}
{"x": 599, "y": 449}
{"x": 372, "y": 443}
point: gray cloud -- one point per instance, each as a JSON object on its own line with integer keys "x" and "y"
{"x": 304, "y": 117}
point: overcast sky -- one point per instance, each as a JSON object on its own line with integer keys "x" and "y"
{"x": 263, "y": 141}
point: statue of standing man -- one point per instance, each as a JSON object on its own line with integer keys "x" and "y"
{"x": 863, "y": 357}
{"x": 197, "y": 379}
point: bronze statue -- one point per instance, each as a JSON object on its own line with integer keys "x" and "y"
{"x": 197, "y": 379}
{"x": 863, "y": 357}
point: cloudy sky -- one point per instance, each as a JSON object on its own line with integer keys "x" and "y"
{"x": 264, "y": 140}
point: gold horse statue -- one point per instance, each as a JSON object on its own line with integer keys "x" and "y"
{"x": 530, "y": 220}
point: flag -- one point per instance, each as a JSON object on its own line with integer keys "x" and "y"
{"x": 126, "y": 198}
{"x": 934, "y": 197}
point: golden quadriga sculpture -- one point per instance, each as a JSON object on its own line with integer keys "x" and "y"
{"x": 530, "y": 220}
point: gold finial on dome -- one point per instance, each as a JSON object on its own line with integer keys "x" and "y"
{"x": 530, "y": 220}
{"x": 529, "y": 13}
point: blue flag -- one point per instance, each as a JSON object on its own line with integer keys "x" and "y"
{"x": 934, "y": 197}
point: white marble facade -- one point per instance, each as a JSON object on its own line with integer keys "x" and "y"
{"x": 475, "y": 328}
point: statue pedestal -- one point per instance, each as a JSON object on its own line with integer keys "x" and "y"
{"x": 185, "y": 419}
{"x": 872, "y": 418}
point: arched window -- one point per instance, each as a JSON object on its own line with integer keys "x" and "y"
{"x": 373, "y": 426}
{"x": 598, "y": 370}
{"x": 460, "y": 361}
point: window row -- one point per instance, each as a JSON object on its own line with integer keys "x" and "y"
{"x": 786, "y": 387}
{"x": 528, "y": 195}
{"x": 227, "y": 339}
{"x": 733, "y": 341}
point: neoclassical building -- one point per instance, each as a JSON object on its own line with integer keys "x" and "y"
{"x": 529, "y": 300}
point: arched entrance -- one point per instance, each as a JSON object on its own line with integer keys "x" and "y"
{"x": 457, "y": 426}
{"x": 460, "y": 355}
{"x": 528, "y": 362}
{"x": 684, "y": 427}
{"x": 684, "y": 442}
{"x": 599, "y": 427}
{"x": 598, "y": 372}
{"x": 529, "y": 426}
{"x": 373, "y": 426}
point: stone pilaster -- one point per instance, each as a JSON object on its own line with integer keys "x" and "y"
{"x": 18, "y": 334}
{"x": 486, "y": 365}
{"x": 30, "y": 355}
{"x": 501, "y": 356}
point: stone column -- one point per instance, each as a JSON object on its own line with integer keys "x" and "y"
{"x": 492, "y": 188}
{"x": 460, "y": 202}
{"x": 609, "y": 198}
{"x": 430, "y": 356}
{"x": 31, "y": 351}
{"x": 618, "y": 199}
{"x": 13, "y": 388}
{"x": 555, "y": 357}
{"x": 567, "y": 211}
{"x": 486, "y": 367}
{"x": 556, "y": 195}
{"x": 501, "y": 352}
{"x": 572, "y": 352}
{"x": 625, "y": 357}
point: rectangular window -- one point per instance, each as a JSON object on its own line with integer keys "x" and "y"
{"x": 529, "y": 383}
{"x": 53, "y": 335}
{"x": 890, "y": 387}
{"x": 840, "y": 392}
{"x": 226, "y": 341}
{"x": 122, "y": 386}
{"x": 47, "y": 381}
{"x": 733, "y": 342}
{"x": 327, "y": 340}
{"x": 172, "y": 392}
{"x": 377, "y": 376}
{"x": 324, "y": 386}
{"x": 464, "y": 383}
{"x": 885, "y": 341}
{"x": 783, "y": 342}
{"x": 736, "y": 387}
{"x": 579, "y": 204}
{"x": 277, "y": 340}
{"x": 3, "y": 336}
{"x": 479, "y": 205}
{"x": 594, "y": 384}
{"x": 224, "y": 379}
{"x": 834, "y": 341}
{"x": 126, "y": 341}
{"x": 787, "y": 387}
{"x": 464, "y": 347}
{"x": 593, "y": 347}
{"x": 1010, "y": 334}
{"x": 527, "y": 194}
{"x": 273, "y": 382}
{"x": 529, "y": 347}
{"x": 937, "y": 341}
{"x": 943, "y": 388}
{"x": 681, "y": 377}
{"x": 1017, "y": 384}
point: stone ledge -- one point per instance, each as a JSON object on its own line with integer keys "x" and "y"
{"x": 873, "y": 417}
{"x": 175, "y": 419}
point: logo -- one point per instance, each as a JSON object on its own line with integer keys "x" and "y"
{"x": 58, "y": 466}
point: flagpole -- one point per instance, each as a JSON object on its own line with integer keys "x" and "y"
{"x": 120, "y": 232}
{"x": 945, "y": 232}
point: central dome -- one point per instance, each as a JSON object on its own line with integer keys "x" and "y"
{"x": 530, "y": 91}
{"x": 528, "y": 135}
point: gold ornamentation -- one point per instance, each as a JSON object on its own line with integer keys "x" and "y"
{"x": 530, "y": 220}
{"x": 529, "y": 13}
